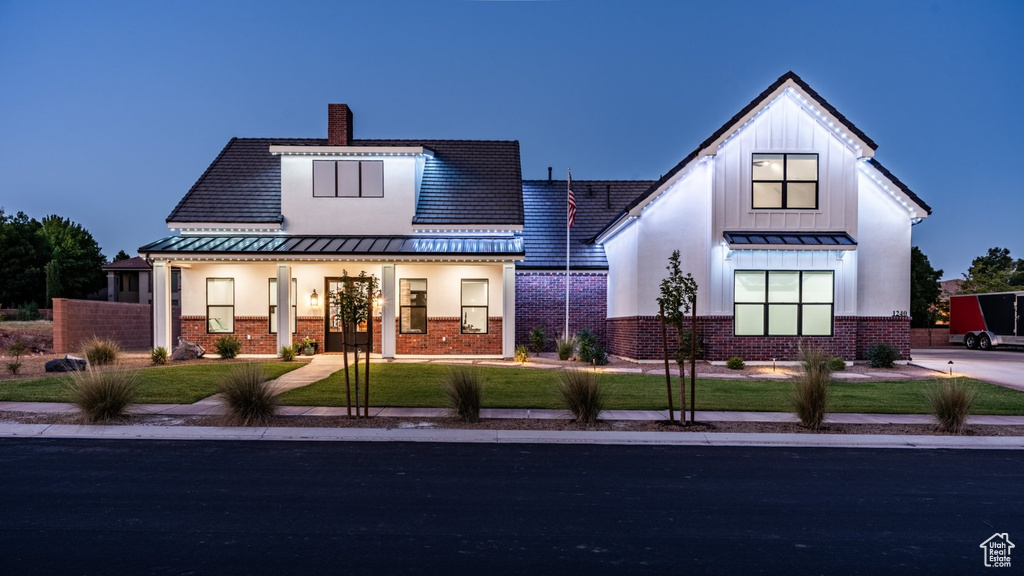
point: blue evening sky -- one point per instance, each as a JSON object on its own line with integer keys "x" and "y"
{"x": 109, "y": 111}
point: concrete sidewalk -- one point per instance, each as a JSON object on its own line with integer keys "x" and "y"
{"x": 806, "y": 440}
{"x": 212, "y": 407}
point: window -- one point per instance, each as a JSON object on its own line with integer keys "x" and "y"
{"x": 220, "y": 305}
{"x": 273, "y": 304}
{"x": 348, "y": 179}
{"x": 474, "y": 306}
{"x": 788, "y": 181}
{"x": 412, "y": 299}
{"x": 783, "y": 303}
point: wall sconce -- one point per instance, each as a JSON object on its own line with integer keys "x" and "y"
{"x": 378, "y": 303}
{"x": 314, "y": 300}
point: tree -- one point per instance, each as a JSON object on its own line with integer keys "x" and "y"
{"x": 121, "y": 255}
{"x": 355, "y": 304}
{"x": 78, "y": 255}
{"x": 924, "y": 290}
{"x": 679, "y": 298}
{"x": 993, "y": 272}
{"x": 24, "y": 251}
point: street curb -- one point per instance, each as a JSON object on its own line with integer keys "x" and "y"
{"x": 10, "y": 430}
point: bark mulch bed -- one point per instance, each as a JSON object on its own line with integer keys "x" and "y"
{"x": 522, "y": 424}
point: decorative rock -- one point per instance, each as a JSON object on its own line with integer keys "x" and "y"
{"x": 68, "y": 363}
{"x": 187, "y": 350}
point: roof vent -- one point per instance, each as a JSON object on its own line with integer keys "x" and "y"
{"x": 339, "y": 125}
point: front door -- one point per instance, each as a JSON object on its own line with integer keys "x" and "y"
{"x": 1020, "y": 316}
{"x": 334, "y": 341}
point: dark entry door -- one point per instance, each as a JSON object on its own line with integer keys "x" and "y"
{"x": 1020, "y": 316}
{"x": 334, "y": 341}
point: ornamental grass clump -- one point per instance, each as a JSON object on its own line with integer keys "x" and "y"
{"x": 464, "y": 389}
{"x": 811, "y": 389}
{"x": 582, "y": 395}
{"x": 102, "y": 396}
{"x": 287, "y": 353}
{"x": 522, "y": 354}
{"x": 538, "y": 340}
{"x": 227, "y": 346}
{"x": 950, "y": 403}
{"x": 159, "y": 355}
{"x": 565, "y": 345}
{"x": 248, "y": 395}
{"x": 101, "y": 351}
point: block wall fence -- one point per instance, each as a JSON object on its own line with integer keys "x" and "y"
{"x": 130, "y": 325}
{"x": 540, "y": 301}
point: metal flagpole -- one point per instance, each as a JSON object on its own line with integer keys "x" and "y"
{"x": 568, "y": 227}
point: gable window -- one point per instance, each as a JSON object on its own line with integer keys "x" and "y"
{"x": 293, "y": 296}
{"x": 783, "y": 303}
{"x": 474, "y": 306}
{"x": 412, "y": 295}
{"x": 348, "y": 178}
{"x": 784, "y": 181}
{"x": 220, "y": 305}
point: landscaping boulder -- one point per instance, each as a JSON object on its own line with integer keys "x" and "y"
{"x": 187, "y": 350}
{"x": 68, "y": 363}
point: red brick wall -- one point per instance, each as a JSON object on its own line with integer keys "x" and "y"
{"x": 920, "y": 338}
{"x": 257, "y": 327}
{"x": 130, "y": 325}
{"x": 540, "y": 301}
{"x": 640, "y": 338}
{"x": 455, "y": 342}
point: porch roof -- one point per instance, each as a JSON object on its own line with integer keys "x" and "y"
{"x": 784, "y": 240}
{"x": 358, "y": 246}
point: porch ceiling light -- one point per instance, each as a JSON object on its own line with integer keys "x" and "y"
{"x": 314, "y": 300}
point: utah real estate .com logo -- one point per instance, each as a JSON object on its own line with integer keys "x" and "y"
{"x": 997, "y": 550}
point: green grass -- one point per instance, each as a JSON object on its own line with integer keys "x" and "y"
{"x": 419, "y": 385}
{"x": 157, "y": 385}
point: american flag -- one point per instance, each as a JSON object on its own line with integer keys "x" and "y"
{"x": 572, "y": 203}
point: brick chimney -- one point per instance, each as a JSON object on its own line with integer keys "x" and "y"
{"x": 339, "y": 125}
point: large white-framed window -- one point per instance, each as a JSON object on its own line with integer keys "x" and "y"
{"x": 348, "y": 178}
{"x": 220, "y": 305}
{"x": 412, "y": 301}
{"x": 783, "y": 302}
{"x": 784, "y": 181}
{"x": 474, "y": 306}
{"x": 272, "y": 299}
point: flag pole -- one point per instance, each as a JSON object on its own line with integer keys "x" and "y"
{"x": 568, "y": 209}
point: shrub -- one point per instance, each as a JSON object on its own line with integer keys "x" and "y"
{"x": 464, "y": 388}
{"x": 159, "y": 355}
{"x": 811, "y": 389}
{"x": 14, "y": 366}
{"x": 27, "y": 312}
{"x": 565, "y": 345}
{"x": 522, "y": 353}
{"x": 582, "y": 395}
{"x": 227, "y": 346}
{"x": 538, "y": 340}
{"x": 836, "y": 364}
{"x": 883, "y": 355}
{"x": 16, "y": 349}
{"x": 101, "y": 351}
{"x": 103, "y": 396}
{"x": 287, "y": 353}
{"x": 590, "y": 350}
{"x": 735, "y": 363}
{"x": 248, "y": 395}
{"x": 950, "y": 402}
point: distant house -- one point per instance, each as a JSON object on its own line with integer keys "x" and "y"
{"x": 795, "y": 233}
{"x": 128, "y": 281}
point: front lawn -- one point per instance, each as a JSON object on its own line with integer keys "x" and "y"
{"x": 419, "y": 385}
{"x": 157, "y": 385}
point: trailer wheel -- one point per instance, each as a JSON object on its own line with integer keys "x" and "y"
{"x": 971, "y": 341}
{"x": 984, "y": 343}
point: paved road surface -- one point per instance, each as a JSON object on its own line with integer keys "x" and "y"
{"x": 127, "y": 507}
{"x": 1004, "y": 367}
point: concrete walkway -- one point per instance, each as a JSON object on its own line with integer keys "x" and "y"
{"x": 320, "y": 367}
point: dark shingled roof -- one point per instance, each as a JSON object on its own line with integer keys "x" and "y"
{"x": 885, "y": 172}
{"x": 334, "y": 245}
{"x": 467, "y": 182}
{"x": 729, "y": 124}
{"x": 544, "y": 231}
{"x": 136, "y": 263}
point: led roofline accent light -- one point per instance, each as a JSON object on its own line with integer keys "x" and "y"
{"x": 863, "y": 166}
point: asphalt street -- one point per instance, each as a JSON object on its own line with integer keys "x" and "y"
{"x": 171, "y": 507}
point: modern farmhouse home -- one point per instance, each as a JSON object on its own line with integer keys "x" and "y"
{"x": 793, "y": 231}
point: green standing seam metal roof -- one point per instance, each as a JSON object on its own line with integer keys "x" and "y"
{"x": 466, "y": 182}
{"x": 336, "y": 245}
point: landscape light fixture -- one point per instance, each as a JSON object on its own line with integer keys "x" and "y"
{"x": 773, "y": 364}
{"x": 950, "y": 367}
{"x": 314, "y": 300}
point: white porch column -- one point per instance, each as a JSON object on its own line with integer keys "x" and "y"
{"x": 387, "y": 311}
{"x": 162, "y": 305}
{"x": 111, "y": 286}
{"x": 284, "y": 306}
{"x": 508, "y": 311}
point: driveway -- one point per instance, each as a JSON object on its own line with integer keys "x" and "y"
{"x": 1003, "y": 367}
